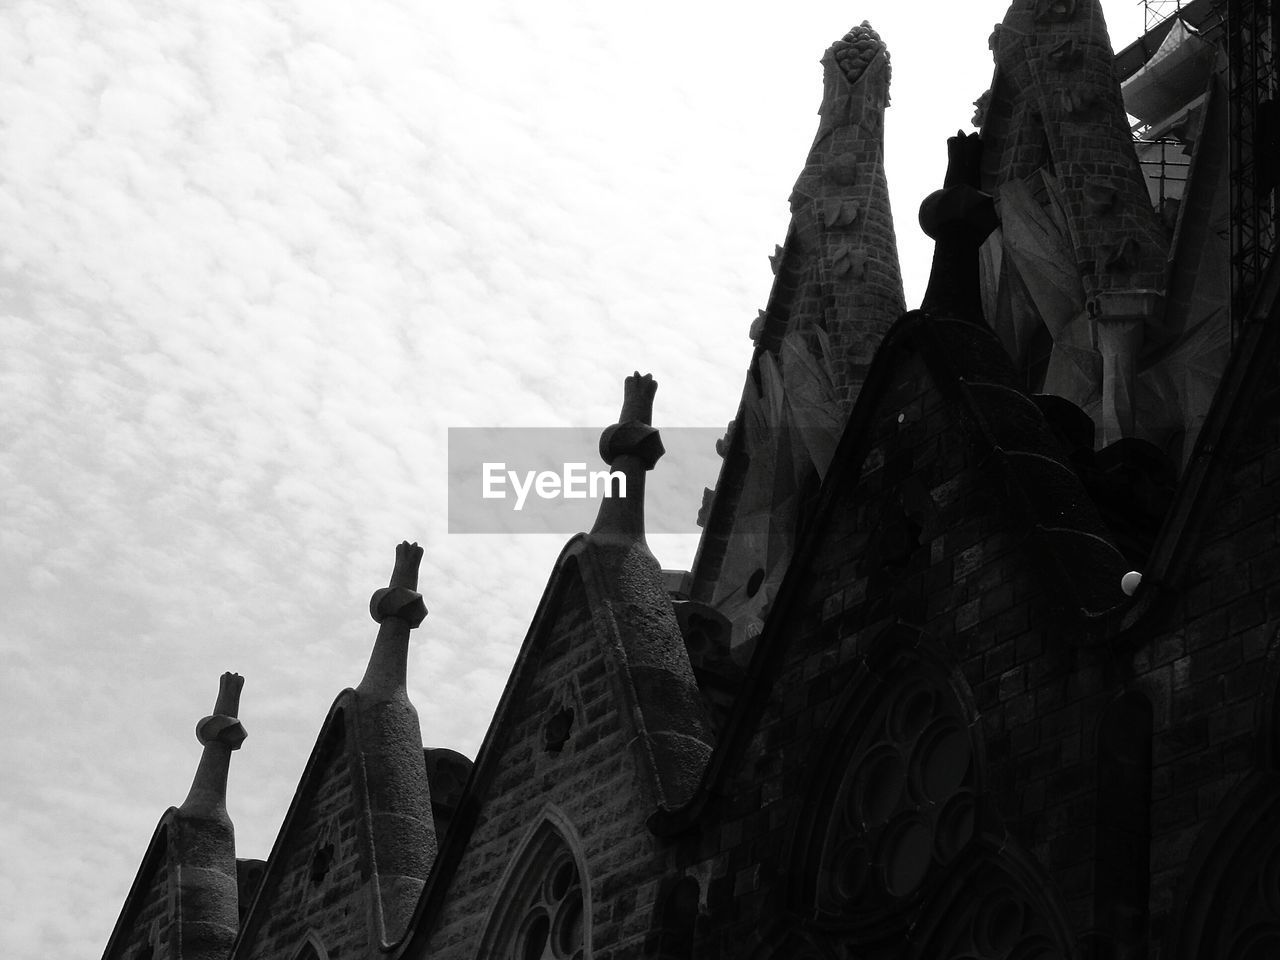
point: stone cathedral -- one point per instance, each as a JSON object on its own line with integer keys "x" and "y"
{"x": 980, "y": 651}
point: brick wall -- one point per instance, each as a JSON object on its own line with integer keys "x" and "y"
{"x": 147, "y": 923}
{"x": 318, "y": 880}
{"x": 923, "y": 535}
{"x": 594, "y": 780}
{"x": 1208, "y": 673}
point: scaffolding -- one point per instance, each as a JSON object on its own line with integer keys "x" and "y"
{"x": 1250, "y": 52}
{"x": 1247, "y": 31}
{"x": 1165, "y": 164}
{"x": 1154, "y": 11}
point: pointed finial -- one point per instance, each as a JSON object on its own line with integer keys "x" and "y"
{"x": 959, "y": 217}
{"x": 632, "y": 434}
{"x": 631, "y": 447}
{"x": 223, "y": 726}
{"x": 219, "y": 734}
{"x": 400, "y": 598}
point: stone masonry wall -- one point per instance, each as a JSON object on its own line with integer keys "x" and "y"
{"x": 320, "y": 882}
{"x": 594, "y": 780}
{"x": 152, "y": 927}
{"x": 982, "y": 606}
{"x": 1208, "y": 675}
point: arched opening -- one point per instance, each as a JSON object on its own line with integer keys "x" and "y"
{"x": 311, "y": 949}
{"x": 896, "y": 796}
{"x": 542, "y": 910}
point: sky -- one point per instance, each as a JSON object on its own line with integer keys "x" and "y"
{"x": 256, "y": 258}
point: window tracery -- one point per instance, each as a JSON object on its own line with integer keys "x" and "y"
{"x": 552, "y": 925}
{"x": 994, "y": 910}
{"x": 542, "y": 910}
{"x": 905, "y": 803}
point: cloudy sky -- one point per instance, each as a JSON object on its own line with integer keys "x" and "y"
{"x": 257, "y": 256}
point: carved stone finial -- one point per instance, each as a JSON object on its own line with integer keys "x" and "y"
{"x": 631, "y": 446}
{"x": 637, "y": 397}
{"x": 959, "y": 217}
{"x": 632, "y": 435}
{"x": 219, "y": 733}
{"x": 400, "y": 598}
{"x": 857, "y": 49}
{"x": 223, "y": 726}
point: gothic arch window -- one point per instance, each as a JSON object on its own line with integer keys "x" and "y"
{"x": 542, "y": 911}
{"x": 995, "y": 903}
{"x": 1231, "y": 909}
{"x": 311, "y": 949}
{"x": 897, "y": 798}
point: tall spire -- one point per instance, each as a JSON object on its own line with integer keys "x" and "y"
{"x": 842, "y": 234}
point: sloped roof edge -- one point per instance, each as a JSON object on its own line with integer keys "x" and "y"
{"x": 157, "y": 847}
{"x": 340, "y": 712}
{"x": 580, "y": 557}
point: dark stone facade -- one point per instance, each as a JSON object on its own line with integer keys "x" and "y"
{"x": 901, "y": 706}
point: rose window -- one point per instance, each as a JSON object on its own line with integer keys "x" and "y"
{"x": 905, "y": 805}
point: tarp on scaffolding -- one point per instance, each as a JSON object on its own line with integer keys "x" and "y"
{"x": 1174, "y": 76}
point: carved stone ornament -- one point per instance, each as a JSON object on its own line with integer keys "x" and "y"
{"x": 849, "y": 262}
{"x": 222, "y": 726}
{"x": 1123, "y": 256}
{"x": 722, "y": 444}
{"x": 400, "y": 598}
{"x": 857, "y": 49}
{"x": 1099, "y": 195}
{"x": 704, "y": 509}
{"x": 980, "y": 108}
{"x": 1076, "y": 102}
{"x": 1055, "y": 11}
{"x": 632, "y": 435}
{"x": 839, "y": 213}
{"x": 1065, "y": 54}
{"x": 843, "y": 169}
